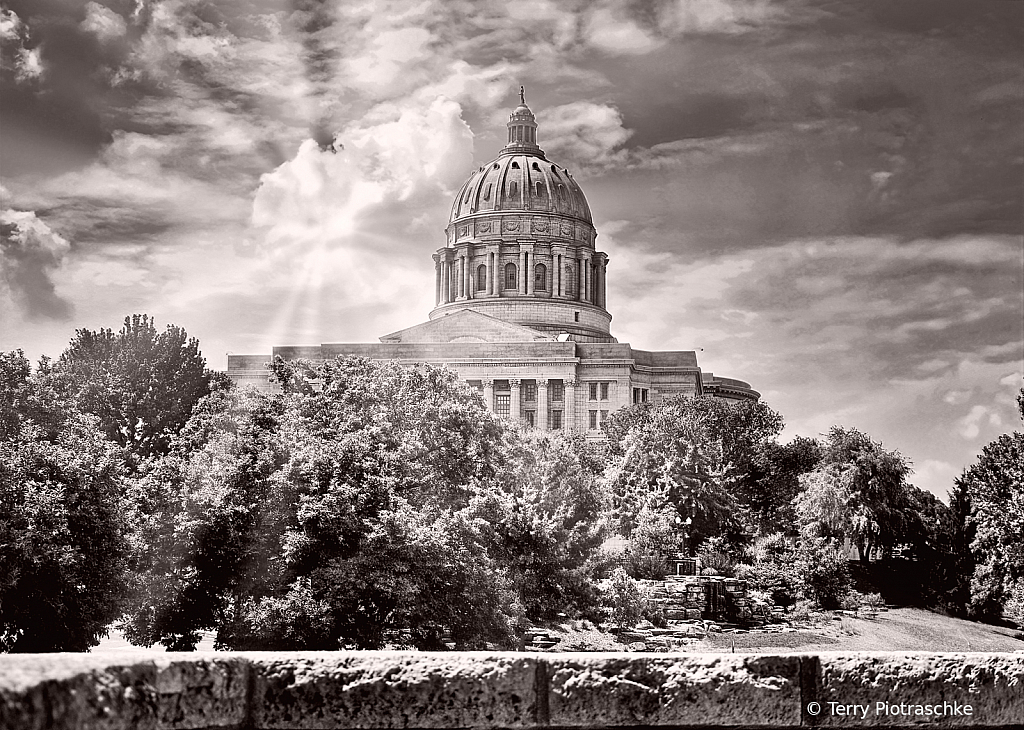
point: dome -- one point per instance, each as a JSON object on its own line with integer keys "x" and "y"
{"x": 521, "y": 179}
{"x": 521, "y": 182}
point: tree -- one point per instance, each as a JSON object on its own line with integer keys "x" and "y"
{"x": 860, "y": 492}
{"x": 672, "y": 460}
{"x": 544, "y": 521}
{"x": 763, "y": 475}
{"x": 993, "y": 492}
{"x": 63, "y": 545}
{"x": 329, "y": 517}
{"x": 142, "y": 384}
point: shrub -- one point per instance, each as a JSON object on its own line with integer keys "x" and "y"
{"x": 645, "y": 567}
{"x": 823, "y": 572}
{"x": 626, "y": 599}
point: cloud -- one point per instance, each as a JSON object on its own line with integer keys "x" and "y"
{"x": 16, "y": 58}
{"x": 30, "y": 253}
{"x": 103, "y": 22}
{"x": 583, "y": 133}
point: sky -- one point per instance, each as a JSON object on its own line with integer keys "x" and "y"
{"x": 824, "y": 198}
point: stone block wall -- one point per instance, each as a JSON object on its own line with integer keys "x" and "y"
{"x": 299, "y": 690}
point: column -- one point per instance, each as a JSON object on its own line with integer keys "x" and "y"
{"x": 604, "y": 283}
{"x": 522, "y": 268}
{"x": 462, "y": 276}
{"x": 588, "y": 275}
{"x": 437, "y": 281}
{"x": 488, "y": 394}
{"x": 490, "y": 274}
{"x": 542, "y": 404}
{"x": 497, "y": 273}
{"x": 444, "y": 282}
{"x": 515, "y": 408}
{"x": 569, "y": 416}
{"x": 581, "y": 278}
{"x": 470, "y": 276}
{"x": 558, "y": 279}
{"x": 531, "y": 266}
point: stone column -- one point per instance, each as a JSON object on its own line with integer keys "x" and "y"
{"x": 437, "y": 281}
{"x": 581, "y": 279}
{"x": 569, "y": 415}
{"x": 444, "y": 282}
{"x": 488, "y": 393}
{"x": 522, "y": 271}
{"x": 531, "y": 267}
{"x": 497, "y": 273}
{"x": 515, "y": 408}
{"x": 490, "y": 274}
{"x": 558, "y": 277}
{"x": 470, "y": 276}
{"x": 542, "y": 404}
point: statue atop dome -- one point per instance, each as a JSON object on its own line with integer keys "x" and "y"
{"x": 522, "y": 95}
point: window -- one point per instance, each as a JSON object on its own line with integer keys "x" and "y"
{"x": 510, "y": 276}
{"x": 513, "y": 189}
{"x": 604, "y": 391}
{"x": 604, "y": 416}
{"x": 530, "y": 392}
{"x": 502, "y": 404}
{"x": 540, "y": 189}
{"x": 487, "y": 192}
{"x": 481, "y": 277}
{"x": 593, "y": 420}
{"x": 556, "y": 388}
{"x": 531, "y": 417}
{"x": 555, "y": 420}
{"x": 576, "y": 316}
{"x": 476, "y": 384}
{"x": 515, "y": 165}
{"x": 536, "y": 167}
{"x": 540, "y": 277}
{"x": 640, "y": 395}
{"x": 593, "y": 391}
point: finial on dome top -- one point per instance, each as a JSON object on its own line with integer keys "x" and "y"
{"x": 522, "y": 95}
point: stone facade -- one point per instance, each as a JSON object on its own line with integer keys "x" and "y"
{"x": 520, "y": 305}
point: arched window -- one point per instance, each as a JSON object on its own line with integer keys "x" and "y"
{"x": 513, "y": 189}
{"x": 515, "y": 165}
{"x": 487, "y": 192}
{"x": 510, "y": 276}
{"x": 540, "y": 189}
{"x": 568, "y": 282}
{"x": 540, "y": 277}
{"x": 481, "y": 277}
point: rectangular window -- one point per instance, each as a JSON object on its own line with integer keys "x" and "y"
{"x": 593, "y": 391}
{"x": 531, "y": 417}
{"x": 593, "y": 420}
{"x": 604, "y": 416}
{"x": 555, "y": 418}
{"x": 636, "y": 395}
{"x": 503, "y": 404}
{"x": 556, "y": 388}
{"x": 604, "y": 391}
{"x": 530, "y": 391}
{"x": 644, "y": 392}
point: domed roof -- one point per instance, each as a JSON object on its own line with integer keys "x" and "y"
{"x": 521, "y": 182}
{"x": 521, "y": 178}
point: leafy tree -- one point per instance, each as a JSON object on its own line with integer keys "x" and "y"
{"x": 670, "y": 460}
{"x": 822, "y": 571}
{"x": 763, "y": 475}
{"x": 142, "y": 384}
{"x": 860, "y": 492}
{"x": 627, "y": 600}
{"x": 63, "y": 549}
{"x": 770, "y": 565}
{"x": 993, "y": 494}
{"x": 545, "y": 520}
{"x": 328, "y": 517}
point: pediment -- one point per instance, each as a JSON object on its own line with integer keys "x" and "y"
{"x": 467, "y": 325}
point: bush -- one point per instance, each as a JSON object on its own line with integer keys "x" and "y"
{"x": 823, "y": 572}
{"x": 714, "y": 556}
{"x": 627, "y": 601}
{"x": 645, "y": 567}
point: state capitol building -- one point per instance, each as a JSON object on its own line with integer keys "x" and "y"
{"x": 520, "y": 305}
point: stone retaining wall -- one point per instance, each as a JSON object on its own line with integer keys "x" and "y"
{"x": 285, "y": 690}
